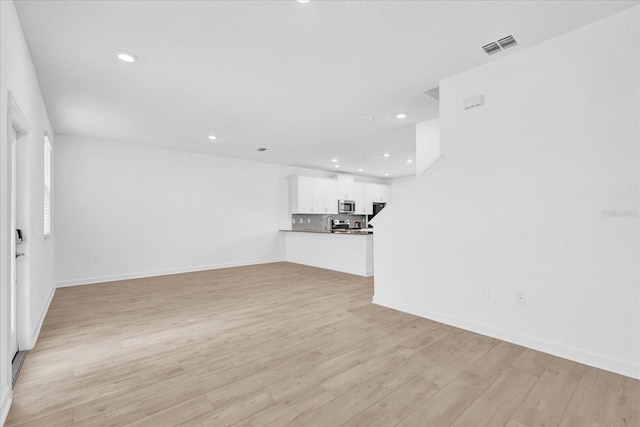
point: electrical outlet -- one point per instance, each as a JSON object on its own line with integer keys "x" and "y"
{"x": 435, "y": 220}
{"x": 97, "y": 259}
{"x": 521, "y": 298}
{"x": 484, "y": 292}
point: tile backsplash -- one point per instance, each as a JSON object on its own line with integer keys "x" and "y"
{"x": 320, "y": 222}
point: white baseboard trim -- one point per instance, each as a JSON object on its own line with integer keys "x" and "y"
{"x": 6, "y": 405}
{"x": 36, "y": 332}
{"x": 140, "y": 275}
{"x": 600, "y": 361}
{"x": 311, "y": 264}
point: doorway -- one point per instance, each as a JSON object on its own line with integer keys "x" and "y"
{"x": 17, "y": 131}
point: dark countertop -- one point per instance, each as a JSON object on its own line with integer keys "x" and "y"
{"x": 356, "y": 232}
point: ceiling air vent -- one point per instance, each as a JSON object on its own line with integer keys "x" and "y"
{"x": 507, "y": 42}
{"x": 492, "y": 48}
{"x": 500, "y": 45}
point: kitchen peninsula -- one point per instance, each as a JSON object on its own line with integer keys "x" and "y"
{"x": 329, "y": 219}
{"x": 349, "y": 251}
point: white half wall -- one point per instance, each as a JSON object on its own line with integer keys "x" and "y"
{"x": 347, "y": 253}
{"x": 145, "y": 211}
{"x": 539, "y": 194}
{"x": 35, "y": 270}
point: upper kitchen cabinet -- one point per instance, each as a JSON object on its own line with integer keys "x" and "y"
{"x": 320, "y": 195}
{"x": 358, "y": 196}
{"x": 300, "y": 194}
{"x": 325, "y": 196}
{"x": 313, "y": 195}
{"x": 346, "y": 187}
{"x": 367, "y": 193}
{"x": 377, "y": 193}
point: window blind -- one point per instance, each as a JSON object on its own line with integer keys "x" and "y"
{"x": 47, "y": 187}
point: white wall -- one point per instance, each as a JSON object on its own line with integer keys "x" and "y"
{"x": 398, "y": 185}
{"x": 526, "y": 188}
{"x": 17, "y": 75}
{"x": 427, "y": 152}
{"x": 147, "y": 211}
{"x": 427, "y": 144}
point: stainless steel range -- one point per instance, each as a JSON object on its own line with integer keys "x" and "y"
{"x": 341, "y": 224}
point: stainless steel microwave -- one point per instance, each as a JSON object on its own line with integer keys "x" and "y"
{"x": 346, "y": 206}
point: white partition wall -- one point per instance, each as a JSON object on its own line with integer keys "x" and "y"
{"x": 539, "y": 195}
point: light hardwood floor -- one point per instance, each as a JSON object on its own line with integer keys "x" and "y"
{"x": 284, "y": 344}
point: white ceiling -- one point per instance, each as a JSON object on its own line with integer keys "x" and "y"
{"x": 297, "y": 79}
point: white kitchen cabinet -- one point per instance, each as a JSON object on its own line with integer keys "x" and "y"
{"x": 320, "y": 195}
{"x": 325, "y": 196}
{"x": 362, "y": 207}
{"x": 300, "y": 194}
{"x": 313, "y": 195}
{"x": 377, "y": 193}
{"x": 346, "y": 187}
{"x": 367, "y": 193}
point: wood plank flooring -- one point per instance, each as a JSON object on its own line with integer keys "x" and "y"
{"x": 289, "y": 345}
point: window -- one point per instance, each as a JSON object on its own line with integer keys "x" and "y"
{"x": 47, "y": 187}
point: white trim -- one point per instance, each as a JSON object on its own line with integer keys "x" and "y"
{"x": 6, "y": 405}
{"x": 15, "y": 116}
{"x": 46, "y": 186}
{"x": 600, "y": 361}
{"x": 18, "y": 121}
{"x": 114, "y": 278}
{"x": 36, "y": 333}
{"x": 408, "y": 190}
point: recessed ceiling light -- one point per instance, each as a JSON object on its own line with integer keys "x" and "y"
{"x": 212, "y": 137}
{"x": 126, "y": 56}
{"x": 401, "y": 115}
{"x": 336, "y": 166}
{"x": 334, "y": 160}
{"x": 386, "y": 174}
{"x": 386, "y": 154}
{"x": 360, "y": 170}
{"x": 409, "y": 161}
{"x": 303, "y": 1}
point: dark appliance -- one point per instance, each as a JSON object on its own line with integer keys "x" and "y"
{"x": 377, "y": 207}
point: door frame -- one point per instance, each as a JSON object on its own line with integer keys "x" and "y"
{"x": 18, "y": 121}
{"x": 13, "y": 241}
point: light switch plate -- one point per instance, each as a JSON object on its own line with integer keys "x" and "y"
{"x": 484, "y": 292}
